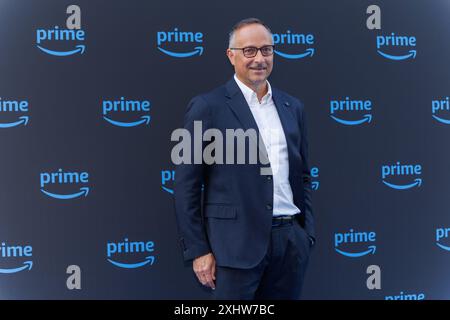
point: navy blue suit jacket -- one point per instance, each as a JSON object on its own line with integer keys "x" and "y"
{"x": 232, "y": 217}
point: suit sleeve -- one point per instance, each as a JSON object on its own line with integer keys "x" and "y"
{"x": 187, "y": 189}
{"x": 306, "y": 175}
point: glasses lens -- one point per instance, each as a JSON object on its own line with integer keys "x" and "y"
{"x": 250, "y": 51}
{"x": 267, "y": 51}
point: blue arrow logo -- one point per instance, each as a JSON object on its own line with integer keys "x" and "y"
{"x": 443, "y": 247}
{"x": 144, "y": 119}
{"x": 79, "y": 48}
{"x": 198, "y": 50}
{"x": 445, "y": 121}
{"x": 84, "y": 190}
{"x": 412, "y": 54}
{"x": 367, "y": 118}
{"x": 23, "y": 119}
{"x": 315, "y": 185}
{"x": 418, "y": 183}
{"x": 308, "y": 52}
{"x": 26, "y": 265}
{"x": 167, "y": 189}
{"x": 148, "y": 260}
{"x": 358, "y": 254}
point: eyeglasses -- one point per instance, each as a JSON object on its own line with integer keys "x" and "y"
{"x": 251, "y": 52}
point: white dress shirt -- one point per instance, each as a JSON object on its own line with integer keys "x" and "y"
{"x": 272, "y": 134}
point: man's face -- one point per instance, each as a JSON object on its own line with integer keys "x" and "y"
{"x": 252, "y": 71}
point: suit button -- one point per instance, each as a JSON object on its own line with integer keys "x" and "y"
{"x": 269, "y": 178}
{"x": 287, "y": 104}
{"x": 269, "y": 207}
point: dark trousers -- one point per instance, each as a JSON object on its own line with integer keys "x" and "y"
{"x": 279, "y": 275}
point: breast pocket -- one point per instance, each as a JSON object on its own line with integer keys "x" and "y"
{"x": 220, "y": 211}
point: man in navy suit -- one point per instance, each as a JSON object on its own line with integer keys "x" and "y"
{"x": 248, "y": 232}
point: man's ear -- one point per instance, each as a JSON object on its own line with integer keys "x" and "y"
{"x": 231, "y": 56}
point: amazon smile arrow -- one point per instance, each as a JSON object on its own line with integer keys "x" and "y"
{"x": 371, "y": 249}
{"x": 79, "y": 48}
{"x": 148, "y": 260}
{"x": 84, "y": 191}
{"x": 198, "y": 50}
{"x": 23, "y": 119}
{"x": 26, "y": 265}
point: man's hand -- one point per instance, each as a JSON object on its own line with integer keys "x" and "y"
{"x": 205, "y": 269}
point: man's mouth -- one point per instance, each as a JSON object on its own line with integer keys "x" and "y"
{"x": 257, "y": 69}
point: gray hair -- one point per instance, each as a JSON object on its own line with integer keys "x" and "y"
{"x": 243, "y": 23}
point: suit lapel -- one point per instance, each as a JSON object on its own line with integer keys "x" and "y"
{"x": 288, "y": 122}
{"x": 240, "y": 108}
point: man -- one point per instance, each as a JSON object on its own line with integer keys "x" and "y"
{"x": 250, "y": 238}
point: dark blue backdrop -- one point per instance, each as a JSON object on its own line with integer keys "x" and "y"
{"x": 117, "y": 178}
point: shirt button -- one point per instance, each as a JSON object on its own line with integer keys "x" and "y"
{"x": 269, "y": 207}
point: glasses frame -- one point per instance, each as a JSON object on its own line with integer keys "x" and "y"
{"x": 257, "y": 49}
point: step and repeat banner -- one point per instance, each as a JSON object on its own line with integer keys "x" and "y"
{"x": 90, "y": 92}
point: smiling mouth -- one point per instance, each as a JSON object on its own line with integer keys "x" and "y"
{"x": 258, "y": 69}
